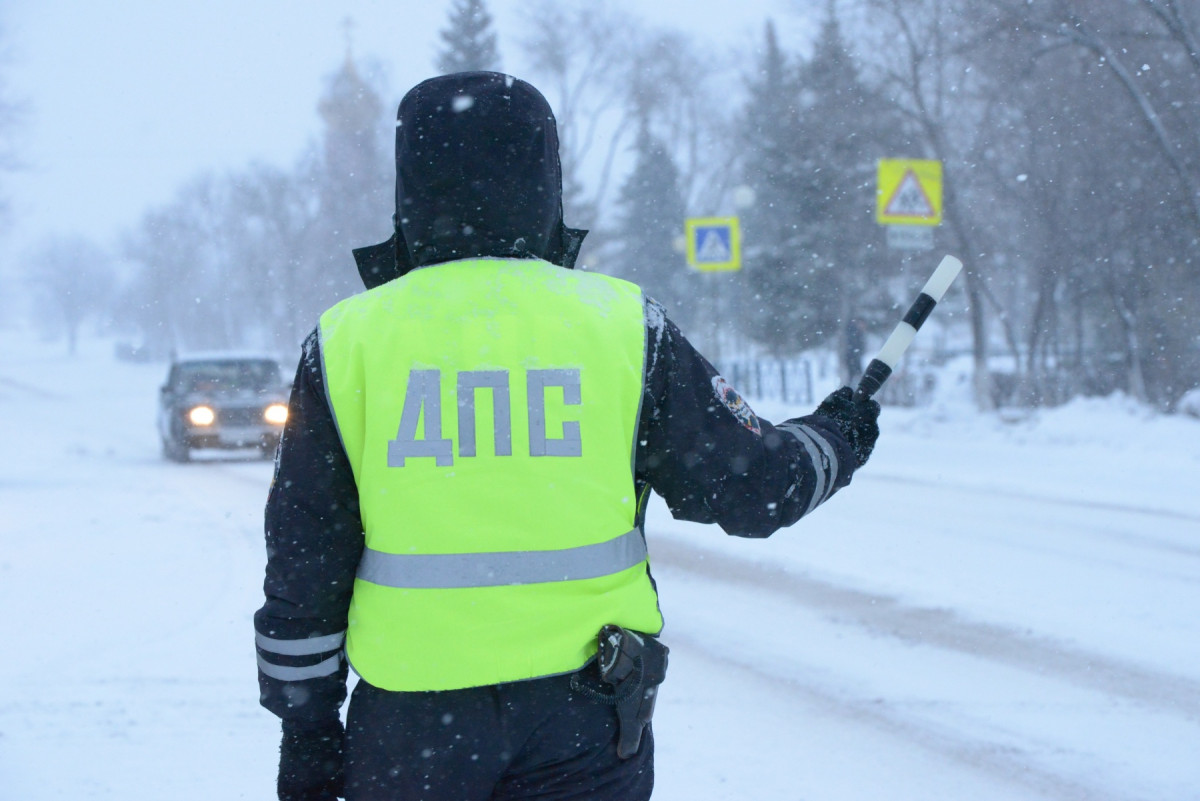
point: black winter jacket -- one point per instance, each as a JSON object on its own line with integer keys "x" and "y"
{"x": 700, "y": 447}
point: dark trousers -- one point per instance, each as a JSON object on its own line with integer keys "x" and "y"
{"x": 552, "y": 739}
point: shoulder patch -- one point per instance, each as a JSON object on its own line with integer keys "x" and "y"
{"x": 731, "y": 400}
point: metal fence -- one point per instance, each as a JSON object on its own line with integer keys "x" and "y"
{"x": 786, "y": 380}
{"x": 805, "y": 380}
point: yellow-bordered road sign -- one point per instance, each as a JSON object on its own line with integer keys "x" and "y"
{"x": 909, "y": 192}
{"x": 714, "y": 243}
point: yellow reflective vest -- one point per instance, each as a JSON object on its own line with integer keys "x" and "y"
{"x": 489, "y": 409}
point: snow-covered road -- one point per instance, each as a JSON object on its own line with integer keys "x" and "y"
{"x": 990, "y": 612}
{"x": 995, "y": 709}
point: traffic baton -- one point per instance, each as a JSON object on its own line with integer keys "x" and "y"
{"x": 889, "y": 355}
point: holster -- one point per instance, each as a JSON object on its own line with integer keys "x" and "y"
{"x": 634, "y": 665}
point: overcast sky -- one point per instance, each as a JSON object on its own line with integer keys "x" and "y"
{"x": 127, "y": 100}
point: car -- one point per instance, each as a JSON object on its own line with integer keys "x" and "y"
{"x": 223, "y": 401}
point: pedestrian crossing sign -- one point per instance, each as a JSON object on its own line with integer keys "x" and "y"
{"x": 909, "y": 192}
{"x": 714, "y": 244}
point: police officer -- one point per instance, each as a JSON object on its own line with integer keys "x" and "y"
{"x": 459, "y": 496}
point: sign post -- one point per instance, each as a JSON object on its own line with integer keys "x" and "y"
{"x": 714, "y": 245}
{"x": 910, "y": 237}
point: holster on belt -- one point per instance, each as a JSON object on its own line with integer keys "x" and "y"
{"x": 634, "y": 664}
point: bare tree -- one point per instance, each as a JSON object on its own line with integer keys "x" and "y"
{"x": 251, "y": 259}
{"x": 73, "y": 282}
{"x": 1114, "y": 153}
{"x": 181, "y": 283}
{"x": 916, "y": 49}
{"x": 1125, "y": 42}
{"x": 669, "y": 86}
{"x": 12, "y": 111}
{"x": 579, "y": 55}
{"x": 272, "y": 211}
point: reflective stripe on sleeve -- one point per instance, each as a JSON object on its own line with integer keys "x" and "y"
{"x": 305, "y": 647}
{"x": 817, "y": 447}
{"x": 285, "y": 673}
{"x": 458, "y": 570}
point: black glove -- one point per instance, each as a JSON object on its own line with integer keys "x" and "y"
{"x": 857, "y": 420}
{"x": 310, "y": 761}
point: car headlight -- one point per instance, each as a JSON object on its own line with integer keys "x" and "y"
{"x": 276, "y": 413}
{"x": 202, "y": 416}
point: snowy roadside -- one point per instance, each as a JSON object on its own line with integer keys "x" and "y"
{"x": 1080, "y": 523}
{"x": 127, "y": 584}
{"x": 1008, "y": 607}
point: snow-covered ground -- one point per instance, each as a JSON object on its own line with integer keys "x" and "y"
{"x": 991, "y": 611}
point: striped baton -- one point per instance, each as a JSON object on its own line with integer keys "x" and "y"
{"x": 889, "y": 355}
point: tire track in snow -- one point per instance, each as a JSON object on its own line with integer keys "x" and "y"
{"x": 10, "y": 387}
{"x": 883, "y": 615}
{"x": 1002, "y": 764}
{"x": 1072, "y": 503}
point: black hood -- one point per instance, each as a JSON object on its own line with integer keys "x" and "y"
{"x": 477, "y": 174}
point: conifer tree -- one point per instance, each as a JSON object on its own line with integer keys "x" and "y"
{"x": 769, "y": 130}
{"x": 651, "y": 218}
{"x": 468, "y": 41}
{"x": 815, "y": 251}
{"x": 844, "y": 131}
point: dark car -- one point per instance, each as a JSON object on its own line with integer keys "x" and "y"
{"x": 221, "y": 401}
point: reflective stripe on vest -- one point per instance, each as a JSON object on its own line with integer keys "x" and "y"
{"x": 489, "y": 410}
{"x": 445, "y": 570}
